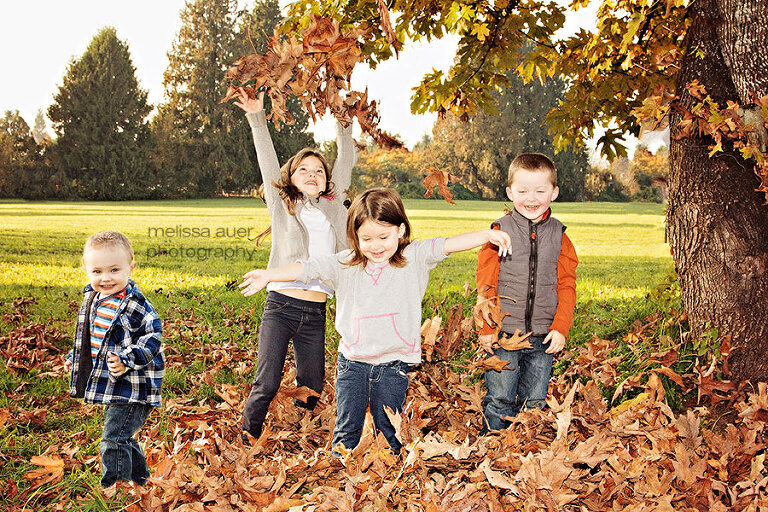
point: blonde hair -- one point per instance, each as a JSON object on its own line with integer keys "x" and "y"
{"x": 533, "y": 162}
{"x": 109, "y": 239}
{"x": 288, "y": 191}
{"x": 382, "y": 205}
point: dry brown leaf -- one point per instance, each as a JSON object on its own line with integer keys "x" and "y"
{"x": 429, "y": 331}
{"x": 516, "y": 341}
{"x": 716, "y": 390}
{"x": 51, "y": 470}
{"x": 489, "y": 363}
{"x": 487, "y": 310}
{"x": 386, "y": 27}
{"x": 439, "y": 179}
{"x": 497, "y": 479}
{"x": 299, "y": 393}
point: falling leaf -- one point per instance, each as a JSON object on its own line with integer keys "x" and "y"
{"x": 386, "y": 27}
{"x": 440, "y": 179}
{"x": 429, "y": 331}
{"x": 489, "y": 363}
{"x": 516, "y": 341}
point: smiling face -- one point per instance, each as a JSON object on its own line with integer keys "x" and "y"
{"x": 108, "y": 267}
{"x": 379, "y": 241}
{"x": 532, "y": 192}
{"x": 310, "y": 176}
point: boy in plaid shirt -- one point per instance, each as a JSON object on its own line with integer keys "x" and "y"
{"x": 117, "y": 360}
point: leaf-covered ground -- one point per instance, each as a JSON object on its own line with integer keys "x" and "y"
{"x": 579, "y": 454}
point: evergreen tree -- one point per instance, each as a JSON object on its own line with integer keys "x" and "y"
{"x": 16, "y": 153}
{"x": 204, "y": 147}
{"x": 194, "y": 146}
{"x": 99, "y": 116}
{"x": 480, "y": 149}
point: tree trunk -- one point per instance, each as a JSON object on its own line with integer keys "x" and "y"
{"x": 717, "y": 224}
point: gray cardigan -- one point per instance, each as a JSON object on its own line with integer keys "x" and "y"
{"x": 290, "y": 239}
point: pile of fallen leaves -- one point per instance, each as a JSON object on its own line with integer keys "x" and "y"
{"x": 581, "y": 453}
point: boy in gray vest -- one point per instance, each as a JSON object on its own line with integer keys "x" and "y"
{"x": 536, "y": 286}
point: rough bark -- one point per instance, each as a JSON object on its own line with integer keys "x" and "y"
{"x": 717, "y": 224}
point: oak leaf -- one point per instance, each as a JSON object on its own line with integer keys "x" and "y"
{"x": 497, "y": 479}
{"x": 487, "y": 311}
{"x": 429, "y": 331}
{"x": 489, "y": 363}
{"x": 51, "y": 470}
{"x": 516, "y": 341}
{"x": 439, "y": 179}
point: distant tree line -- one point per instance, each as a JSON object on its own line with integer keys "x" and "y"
{"x": 107, "y": 148}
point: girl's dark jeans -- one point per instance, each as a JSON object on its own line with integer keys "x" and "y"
{"x": 286, "y": 318}
{"x": 121, "y": 456}
{"x": 360, "y": 386}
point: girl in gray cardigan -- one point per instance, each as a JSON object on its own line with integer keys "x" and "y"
{"x": 308, "y": 220}
{"x": 380, "y": 283}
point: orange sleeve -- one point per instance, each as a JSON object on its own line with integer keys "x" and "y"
{"x": 487, "y": 275}
{"x": 566, "y": 287}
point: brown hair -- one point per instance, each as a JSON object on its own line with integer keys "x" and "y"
{"x": 382, "y": 205}
{"x": 109, "y": 239}
{"x": 533, "y": 162}
{"x": 288, "y": 192}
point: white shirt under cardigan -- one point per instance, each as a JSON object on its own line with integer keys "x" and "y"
{"x": 378, "y": 308}
{"x": 321, "y": 242}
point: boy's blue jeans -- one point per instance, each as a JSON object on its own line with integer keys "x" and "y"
{"x": 286, "y": 318}
{"x": 121, "y": 455}
{"x": 359, "y": 385}
{"x": 522, "y": 384}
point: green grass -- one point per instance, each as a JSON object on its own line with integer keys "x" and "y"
{"x": 620, "y": 246}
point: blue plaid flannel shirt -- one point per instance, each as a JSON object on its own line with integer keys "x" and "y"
{"x": 135, "y": 337}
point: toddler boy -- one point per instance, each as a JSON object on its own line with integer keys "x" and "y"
{"x": 536, "y": 285}
{"x": 117, "y": 359}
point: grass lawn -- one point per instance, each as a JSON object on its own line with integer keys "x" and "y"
{"x": 195, "y": 248}
{"x": 191, "y": 256}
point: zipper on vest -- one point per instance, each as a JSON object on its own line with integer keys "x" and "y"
{"x": 532, "y": 263}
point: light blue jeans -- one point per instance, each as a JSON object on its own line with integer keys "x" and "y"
{"x": 360, "y": 385}
{"x": 121, "y": 455}
{"x": 523, "y": 384}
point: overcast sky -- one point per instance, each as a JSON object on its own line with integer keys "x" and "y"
{"x": 40, "y": 38}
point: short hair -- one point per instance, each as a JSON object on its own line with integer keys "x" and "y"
{"x": 533, "y": 162}
{"x": 288, "y": 191}
{"x": 109, "y": 239}
{"x": 382, "y": 205}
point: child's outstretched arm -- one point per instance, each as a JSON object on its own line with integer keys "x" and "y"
{"x": 256, "y": 280}
{"x": 466, "y": 241}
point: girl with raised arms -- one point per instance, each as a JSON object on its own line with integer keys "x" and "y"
{"x": 308, "y": 220}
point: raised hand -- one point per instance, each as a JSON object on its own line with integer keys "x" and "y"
{"x": 248, "y": 104}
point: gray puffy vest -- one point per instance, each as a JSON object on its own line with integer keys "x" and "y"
{"x": 529, "y": 273}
